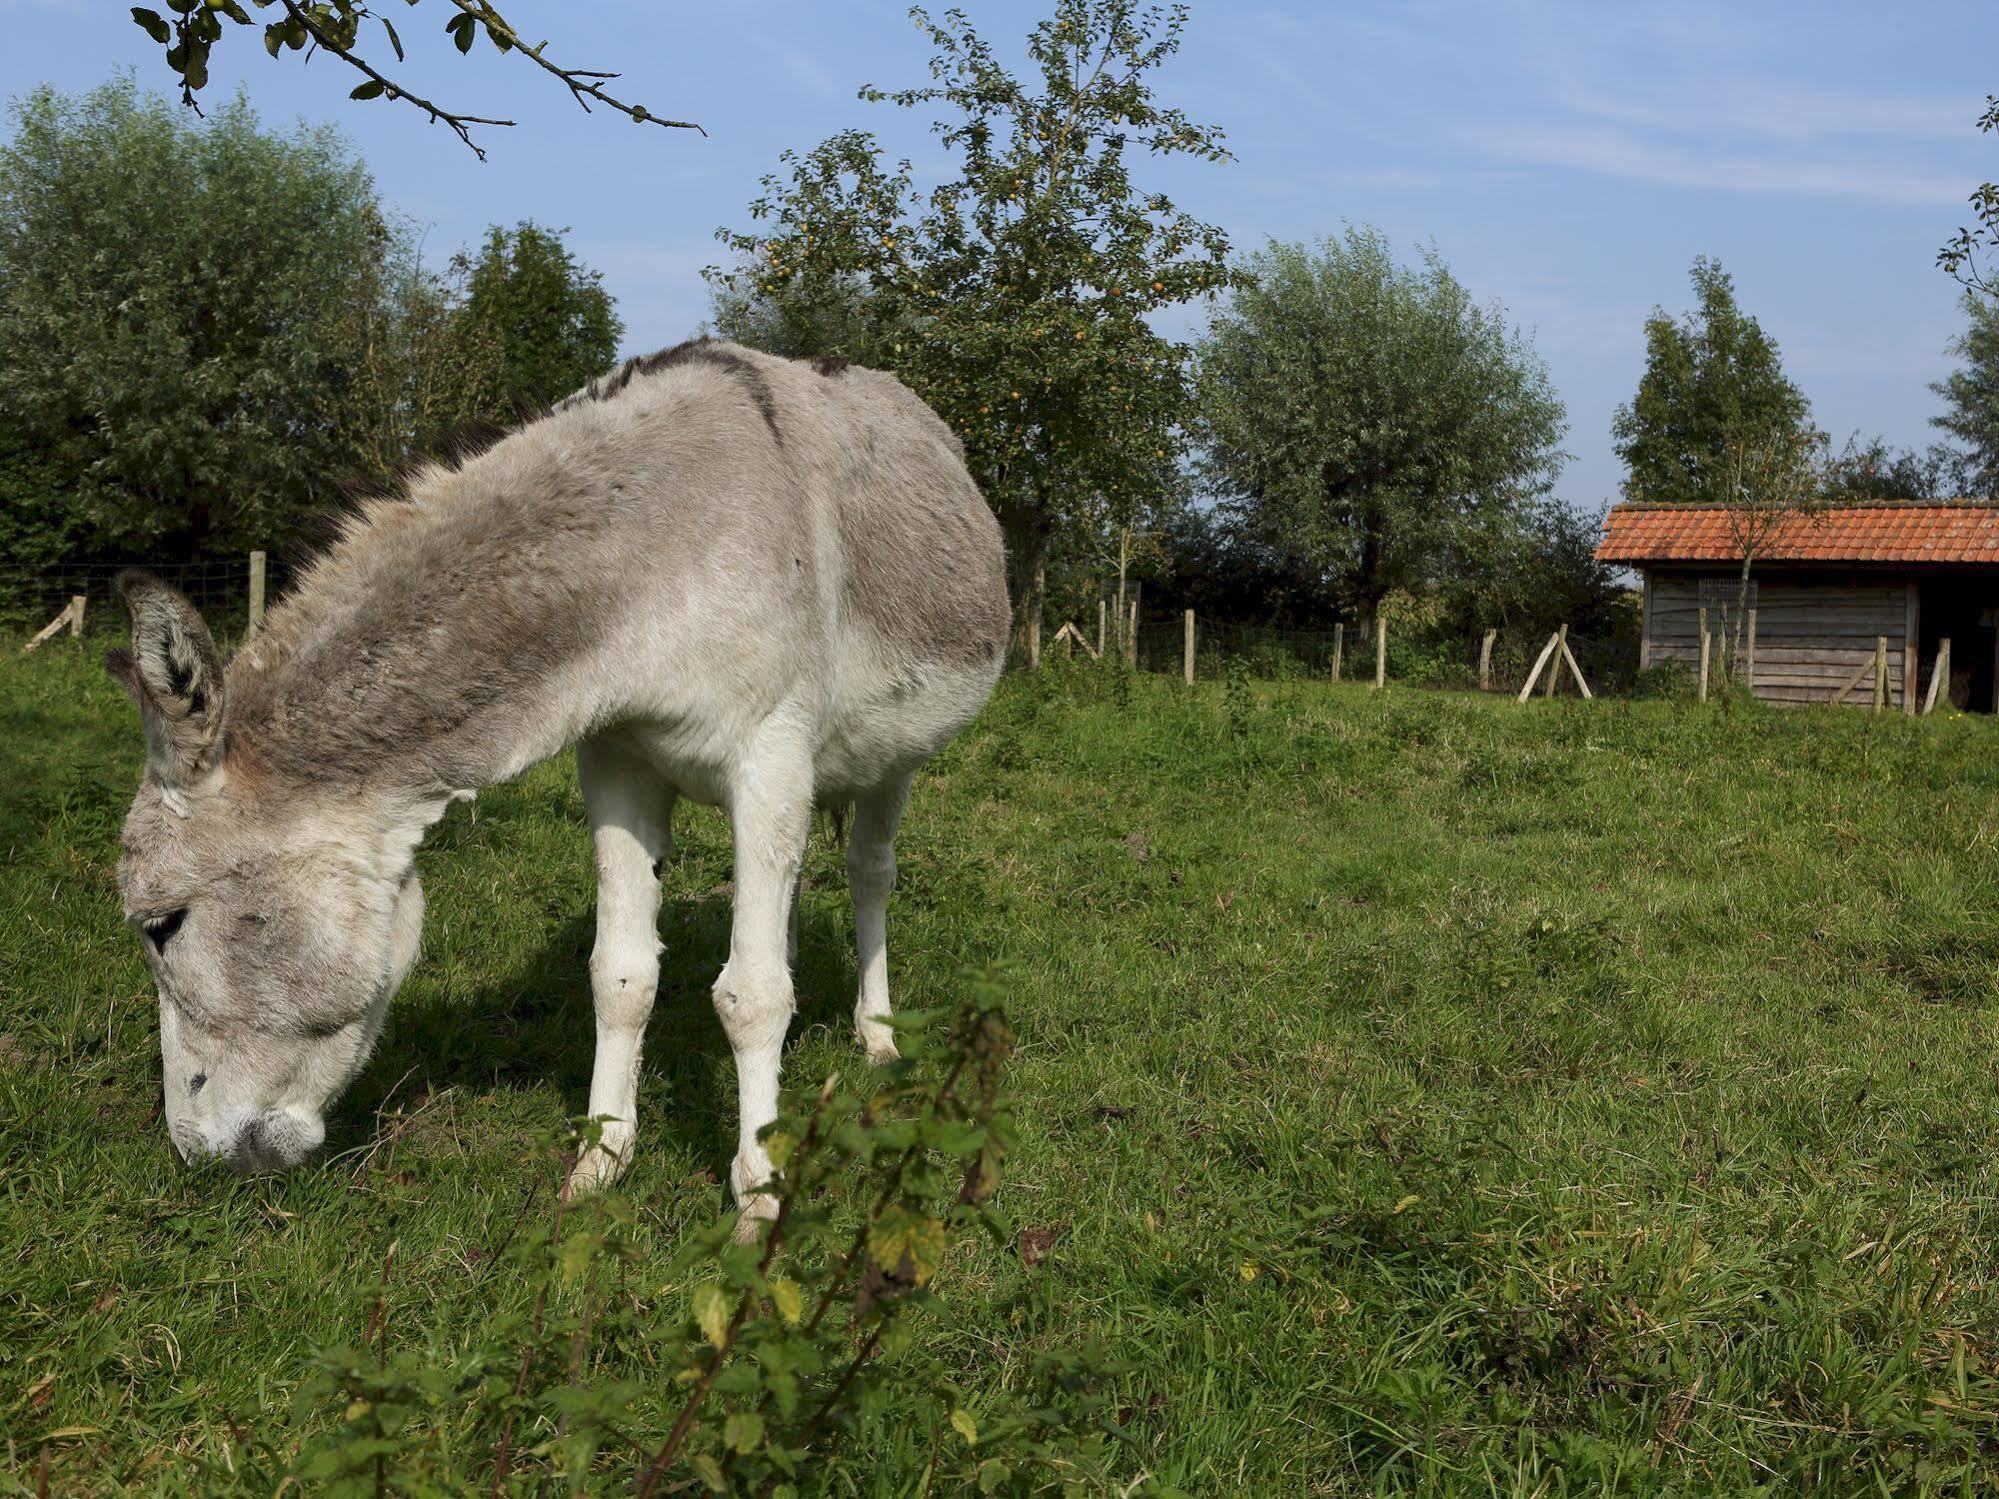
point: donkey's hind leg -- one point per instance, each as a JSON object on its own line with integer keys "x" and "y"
{"x": 631, "y": 823}
{"x": 770, "y": 808}
{"x": 871, "y": 878}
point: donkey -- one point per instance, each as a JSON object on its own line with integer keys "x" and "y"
{"x": 757, "y": 583}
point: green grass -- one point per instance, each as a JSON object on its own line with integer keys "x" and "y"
{"x": 1427, "y": 1094}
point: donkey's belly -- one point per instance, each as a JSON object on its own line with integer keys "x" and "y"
{"x": 887, "y": 733}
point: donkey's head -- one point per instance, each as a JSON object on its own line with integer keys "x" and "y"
{"x": 278, "y": 917}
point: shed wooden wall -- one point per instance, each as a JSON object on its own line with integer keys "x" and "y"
{"x": 1811, "y": 634}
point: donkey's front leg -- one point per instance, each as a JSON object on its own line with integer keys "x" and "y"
{"x": 631, "y": 822}
{"x": 771, "y": 807}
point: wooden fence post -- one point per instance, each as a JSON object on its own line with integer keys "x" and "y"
{"x": 1705, "y": 646}
{"x": 76, "y": 603}
{"x": 1749, "y": 661}
{"x": 1380, "y": 651}
{"x": 1880, "y": 672}
{"x": 1485, "y": 661}
{"x": 1339, "y": 646}
{"x": 1527, "y": 689}
{"x": 1939, "y": 675}
{"x": 1131, "y": 635}
{"x": 1555, "y": 671}
{"x": 1103, "y": 608}
{"x": 1575, "y": 670}
{"x": 257, "y": 593}
{"x": 1188, "y": 667}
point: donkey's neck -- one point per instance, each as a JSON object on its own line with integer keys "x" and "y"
{"x": 434, "y": 648}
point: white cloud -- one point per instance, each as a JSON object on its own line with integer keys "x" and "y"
{"x": 1614, "y": 153}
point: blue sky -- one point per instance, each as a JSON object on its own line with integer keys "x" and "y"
{"x": 1569, "y": 160}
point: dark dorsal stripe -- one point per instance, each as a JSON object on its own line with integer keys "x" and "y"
{"x": 695, "y": 351}
{"x": 830, "y": 365}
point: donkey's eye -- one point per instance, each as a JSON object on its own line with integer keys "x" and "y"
{"x": 160, "y": 930}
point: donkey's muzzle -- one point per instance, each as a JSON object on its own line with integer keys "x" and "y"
{"x": 272, "y": 1142}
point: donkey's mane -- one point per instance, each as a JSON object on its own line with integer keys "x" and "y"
{"x": 433, "y": 606}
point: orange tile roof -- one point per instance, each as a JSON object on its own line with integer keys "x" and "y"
{"x": 1956, "y": 531}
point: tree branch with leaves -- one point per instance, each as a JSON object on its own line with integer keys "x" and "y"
{"x": 194, "y": 28}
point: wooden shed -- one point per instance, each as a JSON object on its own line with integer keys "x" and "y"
{"x": 1825, "y": 588}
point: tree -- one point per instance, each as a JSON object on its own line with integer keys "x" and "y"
{"x": 1972, "y": 394}
{"x": 1774, "y": 476}
{"x": 417, "y": 366}
{"x": 335, "y": 26}
{"x": 169, "y": 305}
{"x": 1015, "y": 295}
{"x": 549, "y": 314}
{"x": 1868, "y": 469}
{"x": 1369, "y": 419}
{"x": 1713, "y": 379}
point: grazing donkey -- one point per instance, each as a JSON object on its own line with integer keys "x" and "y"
{"x": 748, "y": 581}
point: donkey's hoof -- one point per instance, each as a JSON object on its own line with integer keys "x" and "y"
{"x": 596, "y": 1169}
{"x": 758, "y": 1210}
{"x": 878, "y": 1041}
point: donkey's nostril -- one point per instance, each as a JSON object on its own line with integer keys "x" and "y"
{"x": 196, "y": 1083}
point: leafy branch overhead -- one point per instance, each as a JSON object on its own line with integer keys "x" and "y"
{"x": 194, "y": 28}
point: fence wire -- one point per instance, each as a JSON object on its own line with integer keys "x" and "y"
{"x": 219, "y": 587}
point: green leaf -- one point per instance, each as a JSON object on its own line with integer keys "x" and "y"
{"x": 154, "y": 23}
{"x": 394, "y": 40}
{"x": 788, "y": 1299}
{"x": 372, "y": 89}
{"x": 743, "y": 1431}
{"x": 463, "y": 29}
{"x": 710, "y": 1306}
{"x": 709, "y": 1472}
{"x": 965, "y": 1426}
{"x": 900, "y": 1235}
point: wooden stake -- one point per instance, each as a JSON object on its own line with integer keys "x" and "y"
{"x": 1749, "y": 677}
{"x": 71, "y": 617}
{"x": 1339, "y": 645}
{"x": 1561, "y": 650}
{"x": 1939, "y": 676}
{"x": 1880, "y": 672}
{"x": 1131, "y": 635}
{"x": 1539, "y": 661}
{"x": 257, "y": 597}
{"x": 1485, "y": 661}
{"x": 1853, "y": 681}
{"x": 1103, "y": 608}
{"x": 1574, "y": 670}
{"x": 1706, "y": 645}
{"x": 1380, "y": 651}
{"x": 1187, "y": 667}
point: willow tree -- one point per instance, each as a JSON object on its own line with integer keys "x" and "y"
{"x": 1368, "y": 419}
{"x": 1015, "y": 295}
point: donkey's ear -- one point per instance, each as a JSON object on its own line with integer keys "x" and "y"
{"x": 174, "y": 675}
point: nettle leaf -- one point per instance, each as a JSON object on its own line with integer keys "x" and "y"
{"x": 908, "y": 1243}
{"x": 743, "y": 1431}
{"x": 788, "y": 1299}
{"x": 154, "y": 23}
{"x": 710, "y": 1308}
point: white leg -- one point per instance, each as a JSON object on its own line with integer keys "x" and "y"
{"x": 791, "y": 928}
{"x": 770, "y": 808}
{"x": 631, "y": 822}
{"x": 871, "y": 877}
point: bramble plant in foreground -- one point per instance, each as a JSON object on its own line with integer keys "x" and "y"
{"x": 777, "y": 1352}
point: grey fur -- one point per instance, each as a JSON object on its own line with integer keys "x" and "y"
{"x": 723, "y": 575}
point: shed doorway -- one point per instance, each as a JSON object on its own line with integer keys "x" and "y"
{"x": 1961, "y": 611}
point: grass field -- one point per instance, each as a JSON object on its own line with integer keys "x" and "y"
{"x": 1426, "y": 1094}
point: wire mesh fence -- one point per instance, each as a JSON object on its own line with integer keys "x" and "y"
{"x": 219, "y": 587}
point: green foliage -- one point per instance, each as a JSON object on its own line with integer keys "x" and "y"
{"x": 1869, "y": 469}
{"x": 548, "y": 314}
{"x": 1971, "y": 394}
{"x": 1015, "y": 295}
{"x": 169, "y": 300}
{"x": 1368, "y": 419}
{"x": 417, "y": 366}
{"x": 1713, "y": 380}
